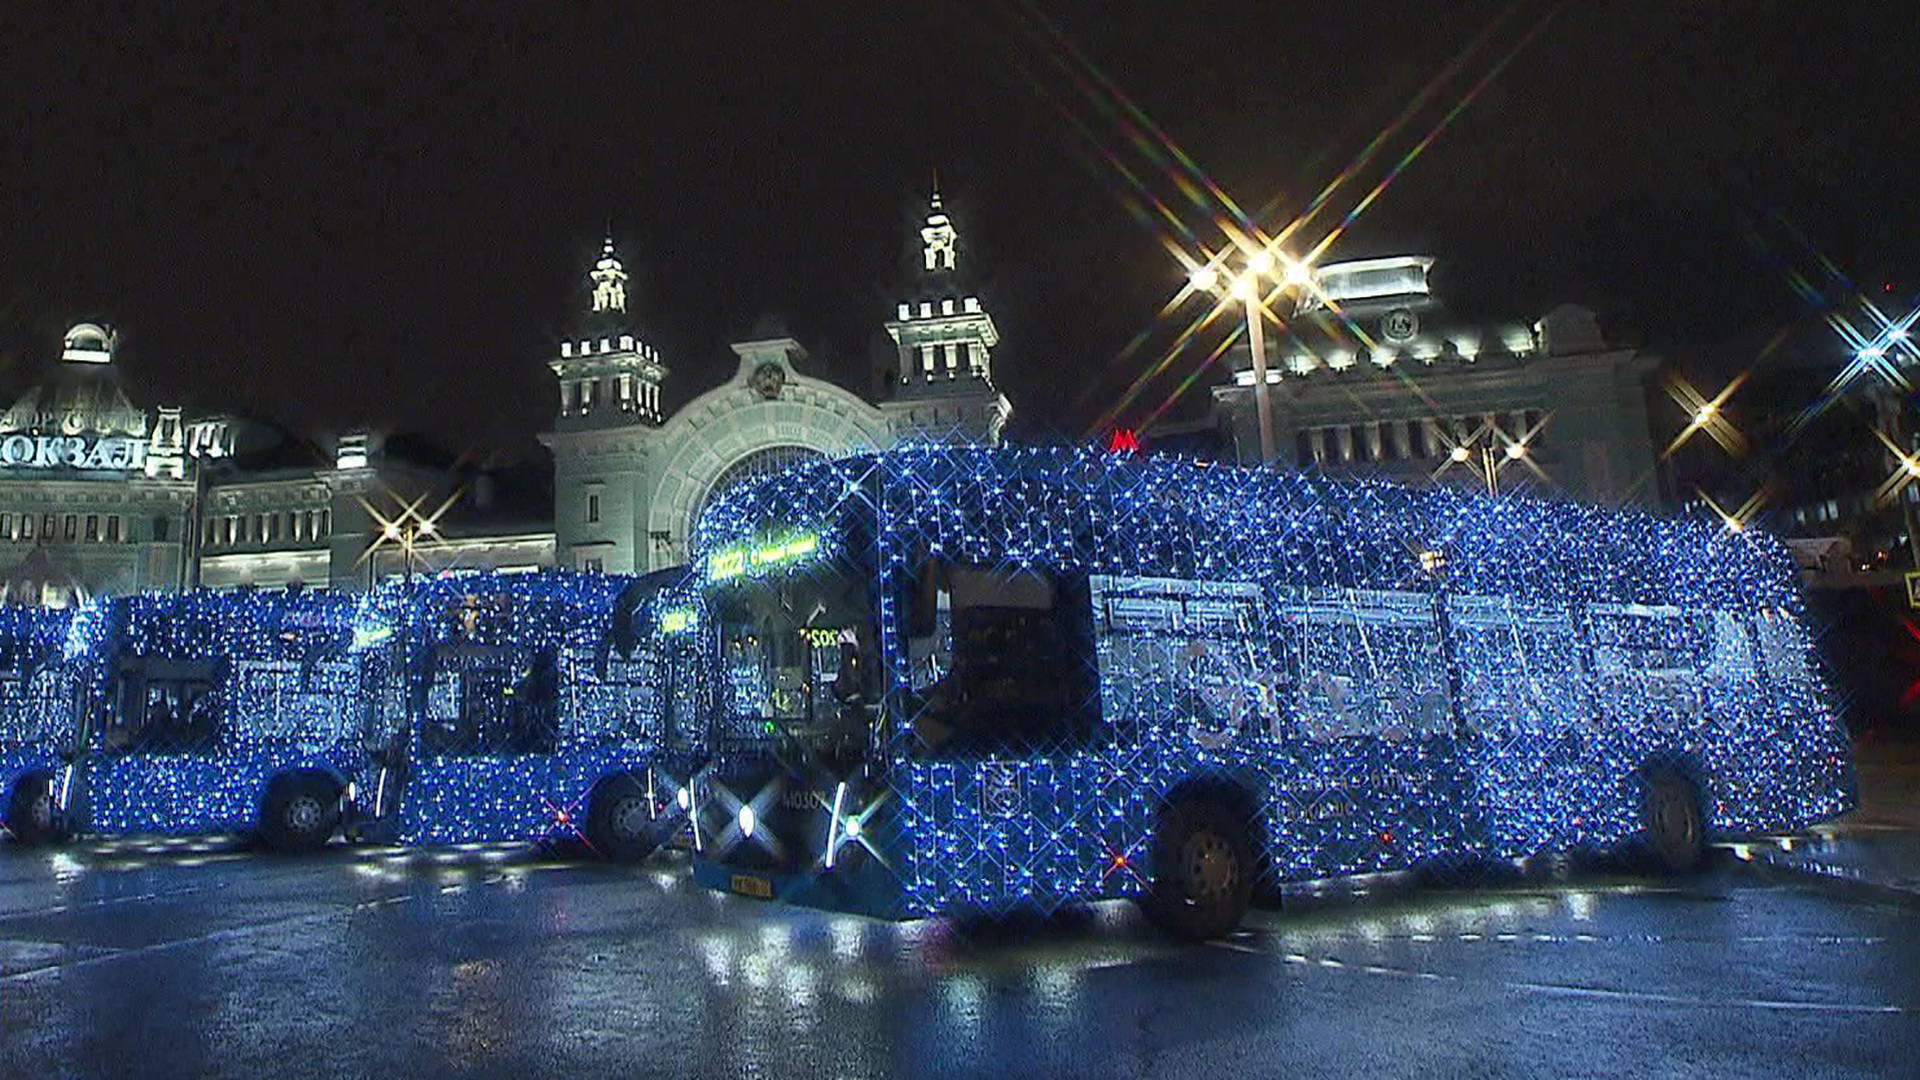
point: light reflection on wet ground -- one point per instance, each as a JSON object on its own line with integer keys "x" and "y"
{"x": 206, "y": 957}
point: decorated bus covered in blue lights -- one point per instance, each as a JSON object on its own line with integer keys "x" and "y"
{"x": 520, "y": 707}
{"x": 202, "y": 712}
{"x": 962, "y": 678}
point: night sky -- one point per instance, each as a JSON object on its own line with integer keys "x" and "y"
{"x": 382, "y": 213}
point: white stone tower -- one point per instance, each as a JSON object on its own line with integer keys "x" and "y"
{"x": 608, "y": 376}
{"x": 943, "y": 386}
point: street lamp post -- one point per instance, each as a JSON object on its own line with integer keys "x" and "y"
{"x": 1246, "y": 288}
{"x": 407, "y": 534}
{"x": 1262, "y": 400}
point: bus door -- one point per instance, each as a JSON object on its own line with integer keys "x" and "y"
{"x": 1002, "y": 695}
{"x": 1374, "y": 780}
{"x": 163, "y": 721}
{"x": 480, "y": 701}
{"x": 1526, "y": 718}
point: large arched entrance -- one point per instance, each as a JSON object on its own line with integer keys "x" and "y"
{"x": 740, "y": 432}
{"x": 758, "y": 465}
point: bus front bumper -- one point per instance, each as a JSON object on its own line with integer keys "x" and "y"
{"x": 865, "y": 890}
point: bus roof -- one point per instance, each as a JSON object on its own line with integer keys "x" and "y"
{"x": 1159, "y": 516}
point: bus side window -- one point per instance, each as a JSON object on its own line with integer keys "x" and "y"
{"x": 1649, "y": 662}
{"x": 1519, "y": 665}
{"x": 172, "y": 713}
{"x": 1015, "y": 673}
{"x": 1783, "y": 648}
{"x": 1371, "y": 663}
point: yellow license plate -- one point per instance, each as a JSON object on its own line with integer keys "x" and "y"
{"x": 749, "y": 885}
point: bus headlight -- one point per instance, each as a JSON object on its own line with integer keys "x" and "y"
{"x": 851, "y": 828}
{"x": 746, "y": 822}
{"x": 684, "y": 798}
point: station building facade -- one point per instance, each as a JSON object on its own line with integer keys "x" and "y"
{"x": 100, "y": 495}
{"x": 1375, "y": 375}
{"x": 630, "y": 482}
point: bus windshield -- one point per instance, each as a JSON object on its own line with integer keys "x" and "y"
{"x": 799, "y": 655}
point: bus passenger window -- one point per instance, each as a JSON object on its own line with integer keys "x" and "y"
{"x": 163, "y": 716}
{"x": 1002, "y": 661}
{"x": 486, "y": 700}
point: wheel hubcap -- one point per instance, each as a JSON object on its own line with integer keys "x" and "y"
{"x": 1212, "y": 870}
{"x": 303, "y": 814}
{"x": 629, "y": 818}
{"x": 1672, "y": 819}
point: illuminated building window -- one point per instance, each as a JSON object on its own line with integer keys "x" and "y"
{"x": 6, "y": 526}
{"x": 49, "y": 527}
{"x": 26, "y": 526}
{"x": 93, "y": 528}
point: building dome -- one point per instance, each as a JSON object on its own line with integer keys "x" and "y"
{"x": 76, "y": 400}
{"x": 82, "y": 396}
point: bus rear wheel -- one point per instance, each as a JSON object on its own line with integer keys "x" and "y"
{"x": 301, "y": 813}
{"x": 1203, "y": 871}
{"x": 30, "y": 811}
{"x": 1675, "y": 835}
{"x": 620, "y": 820}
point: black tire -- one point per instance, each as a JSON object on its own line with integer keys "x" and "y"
{"x": 1203, "y": 870}
{"x": 30, "y": 811}
{"x": 301, "y": 813}
{"x": 620, "y": 823}
{"x": 1674, "y": 836}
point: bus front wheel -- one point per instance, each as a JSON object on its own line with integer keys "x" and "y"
{"x": 30, "y": 811}
{"x": 1203, "y": 870}
{"x": 1675, "y": 835}
{"x": 301, "y": 813}
{"x": 620, "y": 820}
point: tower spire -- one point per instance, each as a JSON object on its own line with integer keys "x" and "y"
{"x": 609, "y": 376}
{"x": 609, "y": 278}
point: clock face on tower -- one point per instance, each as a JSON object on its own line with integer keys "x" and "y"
{"x": 1399, "y": 325}
{"x": 767, "y": 379}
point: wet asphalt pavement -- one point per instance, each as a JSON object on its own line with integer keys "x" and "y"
{"x": 119, "y": 960}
